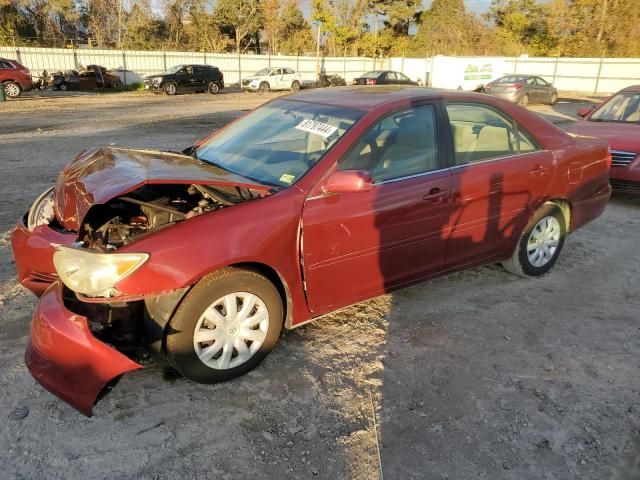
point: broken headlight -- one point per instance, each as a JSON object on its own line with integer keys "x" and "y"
{"x": 94, "y": 274}
{"x": 41, "y": 212}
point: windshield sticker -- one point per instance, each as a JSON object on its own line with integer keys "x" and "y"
{"x": 319, "y": 128}
{"x": 287, "y": 178}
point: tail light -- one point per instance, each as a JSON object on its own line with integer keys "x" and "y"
{"x": 371, "y": 81}
{"x": 517, "y": 86}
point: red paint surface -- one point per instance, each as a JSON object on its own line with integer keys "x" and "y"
{"x": 65, "y": 358}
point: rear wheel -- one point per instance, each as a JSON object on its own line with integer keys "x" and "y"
{"x": 295, "y": 86}
{"x": 264, "y": 87}
{"x": 12, "y": 89}
{"x": 64, "y": 87}
{"x": 225, "y": 326}
{"x": 524, "y": 101}
{"x": 540, "y": 244}
{"x": 170, "y": 88}
{"x": 116, "y": 84}
{"x": 213, "y": 88}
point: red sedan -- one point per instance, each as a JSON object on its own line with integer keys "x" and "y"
{"x": 309, "y": 203}
{"x": 617, "y": 120}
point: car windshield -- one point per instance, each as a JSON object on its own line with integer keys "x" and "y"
{"x": 374, "y": 74}
{"x": 278, "y": 143}
{"x": 623, "y": 107}
{"x": 264, "y": 72}
{"x": 174, "y": 69}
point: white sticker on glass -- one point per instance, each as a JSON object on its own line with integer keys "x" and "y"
{"x": 319, "y": 128}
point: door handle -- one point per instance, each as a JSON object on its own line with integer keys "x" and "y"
{"x": 436, "y": 195}
{"x": 539, "y": 171}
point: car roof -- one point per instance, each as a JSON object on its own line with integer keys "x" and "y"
{"x": 631, "y": 88}
{"x": 367, "y": 97}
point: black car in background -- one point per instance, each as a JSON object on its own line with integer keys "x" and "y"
{"x": 383, "y": 77}
{"x": 186, "y": 78}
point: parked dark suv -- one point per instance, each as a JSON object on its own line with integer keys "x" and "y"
{"x": 15, "y": 77}
{"x": 186, "y": 78}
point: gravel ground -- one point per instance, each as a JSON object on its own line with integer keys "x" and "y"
{"x": 478, "y": 374}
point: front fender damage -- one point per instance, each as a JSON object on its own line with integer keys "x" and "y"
{"x": 65, "y": 358}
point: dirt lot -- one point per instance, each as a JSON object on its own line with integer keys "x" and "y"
{"x": 475, "y": 375}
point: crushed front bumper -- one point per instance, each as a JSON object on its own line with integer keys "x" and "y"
{"x": 65, "y": 358}
{"x": 33, "y": 253}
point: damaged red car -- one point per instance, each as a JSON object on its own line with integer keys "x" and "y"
{"x": 307, "y": 204}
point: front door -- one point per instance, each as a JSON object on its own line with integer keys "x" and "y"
{"x": 498, "y": 178}
{"x": 359, "y": 245}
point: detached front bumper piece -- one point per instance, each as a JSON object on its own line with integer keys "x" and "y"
{"x": 65, "y": 358}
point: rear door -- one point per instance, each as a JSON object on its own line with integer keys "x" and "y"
{"x": 359, "y": 245}
{"x": 499, "y": 175}
{"x": 545, "y": 90}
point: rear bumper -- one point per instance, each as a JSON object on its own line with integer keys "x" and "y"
{"x": 33, "y": 253}
{"x": 590, "y": 207}
{"x": 510, "y": 96}
{"x": 65, "y": 358}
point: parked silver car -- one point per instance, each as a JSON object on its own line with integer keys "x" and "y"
{"x": 523, "y": 89}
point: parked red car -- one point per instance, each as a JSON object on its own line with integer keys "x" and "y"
{"x": 15, "y": 77}
{"x": 307, "y": 204}
{"x": 617, "y": 120}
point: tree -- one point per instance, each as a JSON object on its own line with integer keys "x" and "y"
{"x": 240, "y": 20}
{"x": 273, "y": 22}
{"x": 447, "y": 28}
{"x": 398, "y": 14}
{"x": 296, "y": 37}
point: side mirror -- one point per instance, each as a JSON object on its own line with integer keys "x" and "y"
{"x": 584, "y": 111}
{"x": 348, "y": 181}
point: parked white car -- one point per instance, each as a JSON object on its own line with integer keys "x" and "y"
{"x": 273, "y": 78}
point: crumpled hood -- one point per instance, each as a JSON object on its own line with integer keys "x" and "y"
{"x": 620, "y": 136}
{"x": 98, "y": 175}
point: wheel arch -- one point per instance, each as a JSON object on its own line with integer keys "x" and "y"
{"x": 565, "y": 206}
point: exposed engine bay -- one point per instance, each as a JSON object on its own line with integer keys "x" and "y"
{"x": 119, "y": 221}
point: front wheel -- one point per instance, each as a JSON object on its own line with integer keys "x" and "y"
{"x": 64, "y": 87}
{"x": 116, "y": 84}
{"x": 225, "y": 326}
{"x": 554, "y": 99}
{"x": 295, "y": 86}
{"x": 12, "y": 89}
{"x": 170, "y": 88}
{"x": 540, "y": 244}
{"x": 213, "y": 88}
{"x": 264, "y": 87}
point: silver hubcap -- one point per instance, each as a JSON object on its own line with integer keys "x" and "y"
{"x": 171, "y": 89}
{"x": 231, "y": 330}
{"x": 12, "y": 90}
{"x": 213, "y": 88}
{"x": 543, "y": 241}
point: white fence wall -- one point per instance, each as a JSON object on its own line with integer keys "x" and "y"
{"x": 594, "y": 75}
{"x": 134, "y": 65}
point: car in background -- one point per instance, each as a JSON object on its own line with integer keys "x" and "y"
{"x": 15, "y": 77}
{"x": 273, "y": 78}
{"x": 89, "y": 78}
{"x": 383, "y": 77}
{"x": 186, "y": 78}
{"x": 310, "y": 203}
{"x": 617, "y": 120}
{"x": 523, "y": 89}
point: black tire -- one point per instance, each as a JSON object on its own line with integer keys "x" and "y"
{"x": 264, "y": 87}
{"x": 213, "y": 88}
{"x": 170, "y": 88}
{"x": 116, "y": 84}
{"x": 12, "y": 89}
{"x": 295, "y": 86}
{"x": 524, "y": 100}
{"x": 520, "y": 263}
{"x": 179, "y": 345}
{"x": 554, "y": 99}
{"x": 64, "y": 87}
